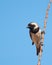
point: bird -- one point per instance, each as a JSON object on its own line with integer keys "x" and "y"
{"x": 35, "y": 35}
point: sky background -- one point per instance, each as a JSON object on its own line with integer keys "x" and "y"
{"x": 15, "y": 44}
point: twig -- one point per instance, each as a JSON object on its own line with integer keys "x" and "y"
{"x": 42, "y": 36}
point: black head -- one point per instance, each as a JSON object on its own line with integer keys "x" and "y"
{"x": 32, "y": 25}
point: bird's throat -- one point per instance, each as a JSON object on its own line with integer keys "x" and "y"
{"x": 35, "y": 30}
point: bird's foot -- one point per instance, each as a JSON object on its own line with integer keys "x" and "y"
{"x": 43, "y": 32}
{"x": 41, "y": 44}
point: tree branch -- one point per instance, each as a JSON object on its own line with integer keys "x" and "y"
{"x": 42, "y": 36}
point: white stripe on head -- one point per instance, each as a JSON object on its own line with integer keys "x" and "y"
{"x": 36, "y": 25}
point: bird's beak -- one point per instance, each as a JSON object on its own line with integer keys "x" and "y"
{"x": 28, "y": 27}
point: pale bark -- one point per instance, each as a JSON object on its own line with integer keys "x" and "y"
{"x": 44, "y": 28}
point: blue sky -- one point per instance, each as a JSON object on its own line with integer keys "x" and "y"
{"x": 15, "y": 44}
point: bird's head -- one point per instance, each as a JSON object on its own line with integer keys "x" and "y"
{"x": 32, "y": 26}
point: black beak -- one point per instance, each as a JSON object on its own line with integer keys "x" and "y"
{"x": 28, "y": 27}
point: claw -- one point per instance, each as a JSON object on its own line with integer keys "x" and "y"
{"x": 43, "y": 32}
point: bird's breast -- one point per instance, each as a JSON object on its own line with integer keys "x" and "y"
{"x": 35, "y": 37}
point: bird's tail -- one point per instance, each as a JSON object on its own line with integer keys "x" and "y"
{"x": 38, "y": 49}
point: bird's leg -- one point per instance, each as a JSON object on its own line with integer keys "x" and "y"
{"x": 43, "y": 32}
{"x": 42, "y": 37}
{"x": 41, "y": 44}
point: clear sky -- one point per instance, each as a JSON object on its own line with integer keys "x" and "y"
{"x": 15, "y": 44}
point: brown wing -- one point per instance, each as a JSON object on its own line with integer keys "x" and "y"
{"x": 36, "y": 40}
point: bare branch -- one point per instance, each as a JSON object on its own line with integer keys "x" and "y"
{"x": 42, "y": 36}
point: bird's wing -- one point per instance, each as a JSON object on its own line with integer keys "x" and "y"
{"x": 36, "y": 40}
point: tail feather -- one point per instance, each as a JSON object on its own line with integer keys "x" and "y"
{"x": 38, "y": 50}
